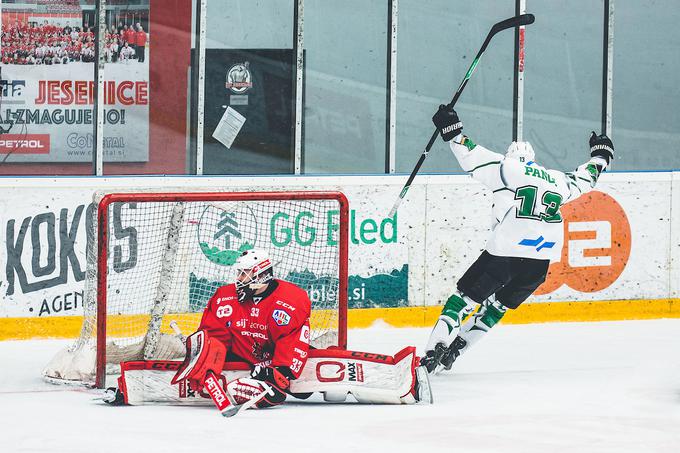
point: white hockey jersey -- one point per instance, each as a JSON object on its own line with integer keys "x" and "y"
{"x": 526, "y": 200}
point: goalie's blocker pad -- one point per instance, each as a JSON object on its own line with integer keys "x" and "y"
{"x": 368, "y": 377}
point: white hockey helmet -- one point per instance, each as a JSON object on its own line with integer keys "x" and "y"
{"x": 255, "y": 270}
{"x": 522, "y": 151}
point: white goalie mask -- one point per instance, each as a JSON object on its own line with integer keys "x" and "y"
{"x": 254, "y": 271}
{"x": 522, "y": 151}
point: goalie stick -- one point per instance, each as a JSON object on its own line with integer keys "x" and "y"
{"x": 224, "y": 401}
{"x": 517, "y": 21}
{"x": 212, "y": 384}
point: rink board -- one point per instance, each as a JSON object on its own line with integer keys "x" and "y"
{"x": 620, "y": 260}
{"x": 69, "y": 326}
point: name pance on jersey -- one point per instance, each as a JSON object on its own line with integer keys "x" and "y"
{"x": 539, "y": 173}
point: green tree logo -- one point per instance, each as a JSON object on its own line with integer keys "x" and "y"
{"x": 224, "y": 233}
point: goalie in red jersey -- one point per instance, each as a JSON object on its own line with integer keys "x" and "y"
{"x": 257, "y": 331}
{"x": 262, "y": 321}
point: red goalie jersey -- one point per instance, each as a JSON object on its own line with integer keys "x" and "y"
{"x": 268, "y": 329}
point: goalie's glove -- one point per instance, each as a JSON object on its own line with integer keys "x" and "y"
{"x": 447, "y": 122}
{"x": 278, "y": 378}
{"x": 267, "y": 387}
{"x": 602, "y": 149}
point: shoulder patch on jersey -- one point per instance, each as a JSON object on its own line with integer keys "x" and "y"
{"x": 281, "y": 318}
{"x": 224, "y": 311}
{"x": 304, "y": 334}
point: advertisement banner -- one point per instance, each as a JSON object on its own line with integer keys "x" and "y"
{"x": 48, "y": 93}
{"x": 617, "y": 247}
{"x": 44, "y": 239}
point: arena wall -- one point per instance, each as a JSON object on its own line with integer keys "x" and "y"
{"x": 621, "y": 258}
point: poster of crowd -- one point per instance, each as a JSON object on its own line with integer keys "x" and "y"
{"x": 47, "y": 86}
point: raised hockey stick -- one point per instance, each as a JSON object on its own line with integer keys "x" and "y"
{"x": 517, "y": 21}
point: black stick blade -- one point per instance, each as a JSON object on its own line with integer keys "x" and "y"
{"x": 526, "y": 19}
{"x": 517, "y": 21}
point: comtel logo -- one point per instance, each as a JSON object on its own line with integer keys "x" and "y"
{"x": 597, "y": 243}
{"x": 225, "y": 231}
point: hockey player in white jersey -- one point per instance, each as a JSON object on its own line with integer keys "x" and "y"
{"x": 527, "y": 234}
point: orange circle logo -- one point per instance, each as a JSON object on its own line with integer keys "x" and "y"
{"x": 596, "y": 245}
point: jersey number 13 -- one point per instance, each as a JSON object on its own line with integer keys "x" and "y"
{"x": 550, "y": 201}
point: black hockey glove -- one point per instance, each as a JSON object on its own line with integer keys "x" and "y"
{"x": 447, "y": 121}
{"x": 278, "y": 379}
{"x": 601, "y": 146}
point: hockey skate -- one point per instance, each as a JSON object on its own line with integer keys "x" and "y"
{"x": 432, "y": 358}
{"x": 452, "y": 352}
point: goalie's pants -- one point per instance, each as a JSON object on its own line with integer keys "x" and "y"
{"x": 511, "y": 279}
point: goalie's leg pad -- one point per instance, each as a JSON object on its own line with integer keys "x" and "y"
{"x": 150, "y": 382}
{"x": 369, "y": 377}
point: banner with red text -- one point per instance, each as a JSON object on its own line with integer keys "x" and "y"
{"x": 47, "y": 112}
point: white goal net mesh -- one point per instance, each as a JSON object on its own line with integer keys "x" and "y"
{"x": 165, "y": 259}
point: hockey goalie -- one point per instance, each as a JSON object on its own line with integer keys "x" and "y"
{"x": 252, "y": 346}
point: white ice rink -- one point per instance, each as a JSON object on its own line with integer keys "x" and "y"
{"x": 576, "y": 387}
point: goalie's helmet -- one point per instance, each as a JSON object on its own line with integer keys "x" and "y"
{"x": 522, "y": 151}
{"x": 254, "y": 271}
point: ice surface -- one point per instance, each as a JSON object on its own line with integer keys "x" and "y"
{"x": 572, "y": 387}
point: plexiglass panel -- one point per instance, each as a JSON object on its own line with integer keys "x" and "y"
{"x": 438, "y": 41}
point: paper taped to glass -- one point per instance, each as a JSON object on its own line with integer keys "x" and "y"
{"x": 228, "y": 127}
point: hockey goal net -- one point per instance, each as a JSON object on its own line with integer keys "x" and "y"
{"x": 154, "y": 260}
